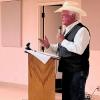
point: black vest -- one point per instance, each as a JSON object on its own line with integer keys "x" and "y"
{"x": 70, "y": 61}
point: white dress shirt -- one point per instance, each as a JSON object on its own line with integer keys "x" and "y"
{"x": 80, "y": 42}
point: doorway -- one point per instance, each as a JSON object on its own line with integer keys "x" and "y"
{"x": 49, "y": 23}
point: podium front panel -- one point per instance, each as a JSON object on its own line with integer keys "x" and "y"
{"x": 41, "y": 79}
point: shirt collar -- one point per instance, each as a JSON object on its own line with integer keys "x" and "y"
{"x": 68, "y": 28}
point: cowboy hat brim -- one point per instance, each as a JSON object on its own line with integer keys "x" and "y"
{"x": 73, "y": 9}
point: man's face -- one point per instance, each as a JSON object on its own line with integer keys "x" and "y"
{"x": 67, "y": 17}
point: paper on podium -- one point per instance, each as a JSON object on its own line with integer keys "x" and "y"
{"x": 42, "y": 56}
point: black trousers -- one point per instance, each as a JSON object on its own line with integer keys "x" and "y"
{"x": 73, "y": 85}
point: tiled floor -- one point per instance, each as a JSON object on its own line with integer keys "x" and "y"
{"x": 16, "y": 92}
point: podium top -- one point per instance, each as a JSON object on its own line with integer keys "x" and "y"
{"x": 42, "y": 56}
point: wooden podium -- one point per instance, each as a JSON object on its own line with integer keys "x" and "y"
{"x": 41, "y": 79}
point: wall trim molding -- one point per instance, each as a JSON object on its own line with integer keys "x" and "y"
{"x": 8, "y": 84}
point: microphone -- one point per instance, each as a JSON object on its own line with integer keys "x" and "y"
{"x": 60, "y": 30}
{"x": 28, "y": 46}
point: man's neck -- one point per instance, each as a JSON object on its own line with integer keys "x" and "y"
{"x": 68, "y": 28}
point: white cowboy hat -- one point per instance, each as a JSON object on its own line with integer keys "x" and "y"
{"x": 71, "y": 6}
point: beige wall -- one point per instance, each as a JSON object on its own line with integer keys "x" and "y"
{"x": 13, "y": 60}
{"x": 92, "y": 21}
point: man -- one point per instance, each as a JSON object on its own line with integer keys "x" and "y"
{"x": 73, "y": 49}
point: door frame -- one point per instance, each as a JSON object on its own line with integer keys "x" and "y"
{"x": 43, "y": 4}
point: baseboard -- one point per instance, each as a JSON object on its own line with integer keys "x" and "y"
{"x": 8, "y": 84}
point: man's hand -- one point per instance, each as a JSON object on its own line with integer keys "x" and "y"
{"x": 60, "y": 37}
{"x": 45, "y": 42}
